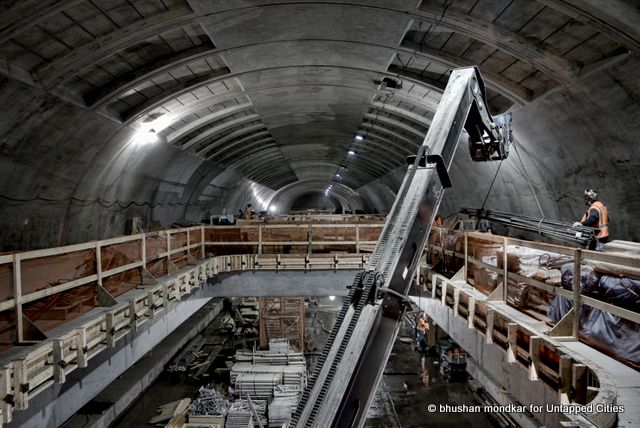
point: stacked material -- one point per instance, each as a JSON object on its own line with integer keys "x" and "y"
{"x": 241, "y": 415}
{"x": 287, "y": 375}
{"x": 257, "y": 385}
{"x": 609, "y": 333}
{"x": 283, "y": 405}
{"x": 209, "y": 403}
{"x": 279, "y": 345}
{"x": 270, "y": 357}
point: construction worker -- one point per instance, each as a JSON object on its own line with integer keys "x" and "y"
{"x": 248, "y": 213}
{"x": 421, "y": 332}
{"x": 437, "y": 222}
{"x": 597, "y": 217}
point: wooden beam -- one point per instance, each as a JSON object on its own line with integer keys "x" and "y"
{"x": 564, "y": 374}
{"x": 512, "y": 341}
{"x": 491, "y": 318}
{"x": 535, "y": 344}
{"x": 579, "y": 383}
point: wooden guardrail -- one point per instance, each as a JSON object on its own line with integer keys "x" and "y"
{"x": 569, "y": 325}
{"x": 25, "y": 374}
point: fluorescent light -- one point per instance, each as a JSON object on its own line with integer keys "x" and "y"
{"x": 338, "y": 175}
{"x": 272, "y": 208}
{"x": 351, "y": 152}
{"x": 359, "y": 137}
{"x": 332, "y": 298}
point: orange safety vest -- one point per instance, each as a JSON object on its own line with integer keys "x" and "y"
{"x": 603, "y": 219}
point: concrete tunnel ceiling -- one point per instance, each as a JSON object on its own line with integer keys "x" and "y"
{"x": 261, "y": 100}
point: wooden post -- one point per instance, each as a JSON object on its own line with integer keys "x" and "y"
{"x": 434, "y": 285}
{"x": 512, "y": 341}
{"x": 20, "y": 384}
{"x": 110, "y": 320}
{"x": 357, "y": 239}
{"x": 535, "y": 343}
{"x": 81, "y": 347}
{"x": 310, "y": 239}
{"x": 444, "y": 292}
{"x": 17, "y": 297}
{"x": 564, "y": 374}
{"x": 471, "y": 306}
{"x": 59, "y": 373}
{"x": 188, "y": 242}
{"x": 505, "y": 282}
{"x": 143, "y": 251}
{"x": 202, "y": 255}
{"x": 5, "y": 391}
{"x": 579, "y": 383}
{"x": 259, "y": 239}
{"x": 466, "y": 254}
{"x": 456, "y": 301}
{"x": 491, "y": 317}
{"x": 575, "y": 331}
{"x": 98, "y": 251}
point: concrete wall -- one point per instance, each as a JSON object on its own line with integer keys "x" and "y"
{"x": 584, "y": 135}
{"x": 53, "y": 150}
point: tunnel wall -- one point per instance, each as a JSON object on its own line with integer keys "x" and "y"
{"x": 583, "y": 135}
{"x": 52, "y": 150}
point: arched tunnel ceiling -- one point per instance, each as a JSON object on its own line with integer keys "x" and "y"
{"x": 277, "y": 90}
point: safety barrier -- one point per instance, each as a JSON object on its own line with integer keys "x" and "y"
{"x": 27, "y": 373}
{"x": 545, "y": 358}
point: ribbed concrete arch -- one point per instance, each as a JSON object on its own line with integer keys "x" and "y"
{"x": 348, "y": 198}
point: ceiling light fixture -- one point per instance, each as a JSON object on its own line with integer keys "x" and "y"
{"x": 359, "y": 137}
{"x": 351, "y": 152}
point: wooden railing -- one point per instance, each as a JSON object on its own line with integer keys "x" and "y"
{"x": 570, "y": 324}
{"x": 547, "y": 361}
{"x": 27, "y": 373}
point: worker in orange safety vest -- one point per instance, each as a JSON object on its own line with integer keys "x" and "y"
{"x": 597, "y": 217}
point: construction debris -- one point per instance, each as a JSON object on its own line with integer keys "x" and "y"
{"x": 170, "y": 410}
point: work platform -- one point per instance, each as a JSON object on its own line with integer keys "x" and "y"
{"x": 544, "y": 357}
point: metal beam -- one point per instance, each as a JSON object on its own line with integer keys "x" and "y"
{"x": 218, "y": 129}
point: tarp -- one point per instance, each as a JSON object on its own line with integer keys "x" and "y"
{"x": 608, "y": 333}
